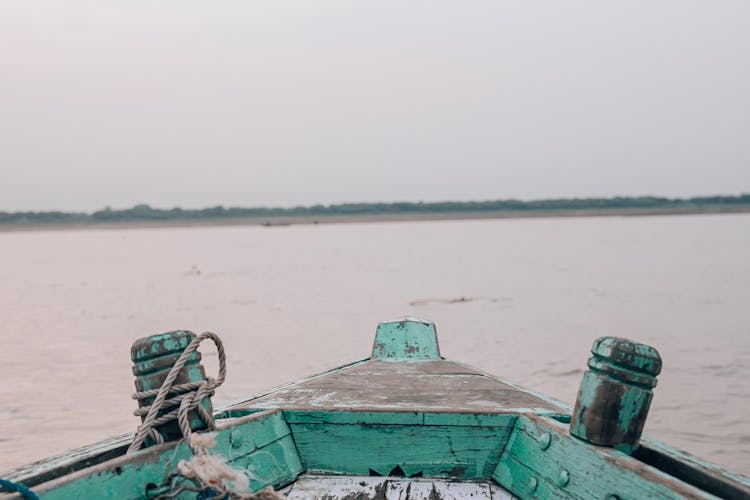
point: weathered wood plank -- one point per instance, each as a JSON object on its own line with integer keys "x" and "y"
{"x": 436, "y": 490}
{"x": 70, "y": 461}
{"x": 541, "y": 452}
{"x": 364, "y": 487}
{"x": 387, "y": 382}
{"x": 430, "y": 367}
{"x": 497, "y": 492}
{"x": 435, "y": 386}
{"x": 353, "y": 417}
{"x": 470, "y": 419}
{"x": 337, "y": 487}
{"x": 707, "y": 476}
{"x": 525, "y": 482}
{"x": 238, "y": 405}
{"x": 412, "y": 399}
{"x": 275, "y": 464}
{"x": 430, "y": 450}
{"x": 399, "y": 418}
{"x": 554, "y": 407}
{"x": 261, "y": 444}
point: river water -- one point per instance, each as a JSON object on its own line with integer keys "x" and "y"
{"x": 520, "y": 298}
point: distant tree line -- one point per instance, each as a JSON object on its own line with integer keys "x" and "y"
{"x": 143, "y": 212}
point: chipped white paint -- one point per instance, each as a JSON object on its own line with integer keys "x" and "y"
{"x": 392, "y": 488}
{"x": 335, "y": 487}
{"x": 376, "y": 385}
{"x": 407, "y": 489}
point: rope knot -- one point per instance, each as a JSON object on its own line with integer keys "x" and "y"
{"x": 178, "y": 401}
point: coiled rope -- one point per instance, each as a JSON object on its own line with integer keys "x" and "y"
{"x": 209, "y": 472}
{"x": 183, "y": 398}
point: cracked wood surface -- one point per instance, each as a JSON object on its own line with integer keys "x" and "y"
{"x": 426, "y": 386}
{"x": 381, "y": 488}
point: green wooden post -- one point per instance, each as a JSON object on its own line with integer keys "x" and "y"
{"x": 153, "y": 358}
{"x": 409, "y": 338}
{"x": 615, "y": 393}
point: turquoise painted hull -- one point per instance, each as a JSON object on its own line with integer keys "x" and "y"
{"x": 404, "y": 423}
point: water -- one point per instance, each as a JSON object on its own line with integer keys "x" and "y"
{"x": 292, "y": 301}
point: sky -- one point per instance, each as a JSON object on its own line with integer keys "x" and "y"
{"x": 283, "y": 103}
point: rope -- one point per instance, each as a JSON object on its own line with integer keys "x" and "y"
{"x": 184, "y": 398}
{"x": 210, "y": 473}
{"x": 18, "y": 488}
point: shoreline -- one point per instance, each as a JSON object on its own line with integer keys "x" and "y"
{"x": 284, "y": 220}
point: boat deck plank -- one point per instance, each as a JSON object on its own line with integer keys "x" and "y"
{"x": 427, "y": 386}
{"x": 348, "y": 487}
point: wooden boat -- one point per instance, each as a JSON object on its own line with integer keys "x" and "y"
{"x": 404, "y": 423}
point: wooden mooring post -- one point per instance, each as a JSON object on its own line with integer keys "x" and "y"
{"x": 153, "y": 357}
{"x": 615, "y": 393}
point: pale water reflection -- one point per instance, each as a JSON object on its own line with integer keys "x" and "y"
{"x": 523, "y": 299}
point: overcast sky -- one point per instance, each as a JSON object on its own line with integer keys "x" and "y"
{"x": 282, "y": 103}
